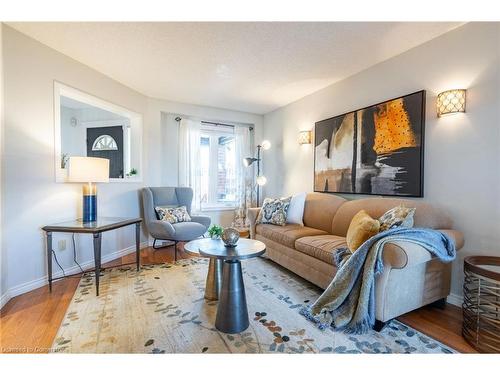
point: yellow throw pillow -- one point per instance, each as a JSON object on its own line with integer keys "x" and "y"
{"x": 362, "y": 227}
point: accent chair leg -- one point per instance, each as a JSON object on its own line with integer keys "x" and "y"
{"x": 379, "y": 325}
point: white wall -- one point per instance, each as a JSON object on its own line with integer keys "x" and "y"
{"x": 462, "y": 154}
{"x": 31, "y": 197}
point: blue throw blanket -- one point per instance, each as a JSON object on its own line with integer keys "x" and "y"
{"x": 348, "y": 303}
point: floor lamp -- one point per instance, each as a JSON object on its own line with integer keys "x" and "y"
{"x": 261, "y": 180}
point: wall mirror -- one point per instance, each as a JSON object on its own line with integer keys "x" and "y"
{"x": 88, "y": 126}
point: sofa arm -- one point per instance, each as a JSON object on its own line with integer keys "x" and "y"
{"x": 252, "y": 214}
{"x": 456, "y": 236}
{"x": 400, "y": 254}
{"x": 161, "y": 229}
{"x": 201, "y": 219}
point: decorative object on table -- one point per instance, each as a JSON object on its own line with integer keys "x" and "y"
{"x": 361, "y": 228}
{"x": 133, "y": 172}
{"x": 305, "y": 137}
{"x": 375, "y": 150}
{"x": 230, "y": 237}
{"x": 88, "y": 170}
{"x": 260, "y": 179}
{"x": 274, "y": 211}
{"x": 163, "y": 230}
{"x": 64, "y": 160}
{"x": 275, "y": 325}
{"x": 295, "y": 213}
{"x": 215, "y": 231}
{"x": 173, "y": 214}
{"x": 399, "y": 216}
{"x": 451, "y": 101}
{"x": 96, "y": 228}
{"x": 481, "y": 307}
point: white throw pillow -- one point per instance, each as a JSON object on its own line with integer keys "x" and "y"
{"x": 295, "y": 212}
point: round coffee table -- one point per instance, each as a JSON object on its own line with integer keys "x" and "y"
{"x": 232, "y": 312}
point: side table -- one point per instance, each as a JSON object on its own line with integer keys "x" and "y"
{"x": 481, "y": 307}
{"x": 96, "y": 228}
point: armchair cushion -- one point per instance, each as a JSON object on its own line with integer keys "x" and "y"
{"x": 185, "y": 231}
{"x": 203, "y": 220}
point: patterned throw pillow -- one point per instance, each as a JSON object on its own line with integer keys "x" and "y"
{"x": 173, "y": 214}
{"x": 399, "y": 216}
{"x": 274, "y": 211}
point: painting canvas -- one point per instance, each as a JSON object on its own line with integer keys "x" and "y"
{"x": 375, "y": 150}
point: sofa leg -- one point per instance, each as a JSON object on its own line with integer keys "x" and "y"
{"x": 379, "y": 325}
{"x": 440, "y": 303}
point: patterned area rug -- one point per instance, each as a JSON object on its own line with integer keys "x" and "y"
{"x": 161, "y": 309}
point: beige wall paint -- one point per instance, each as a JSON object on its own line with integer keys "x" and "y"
{"x": 30, "y": 194}
{"x": 462, "y": 154}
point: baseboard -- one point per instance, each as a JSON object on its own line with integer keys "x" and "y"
{"x": 4, "y": 299}
{"x": 34, "y": 284}
{"x": 455, "y": 299}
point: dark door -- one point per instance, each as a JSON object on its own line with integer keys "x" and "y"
{"x": 107, "y": 142}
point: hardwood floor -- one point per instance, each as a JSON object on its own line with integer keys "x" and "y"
{"x": 29, "y": 322}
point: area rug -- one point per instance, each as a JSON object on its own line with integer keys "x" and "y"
{"x": 161, "y": 309}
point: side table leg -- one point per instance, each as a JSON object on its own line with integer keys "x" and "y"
{"x": 138, "y": 245}
{"x": 97, "y": 260}
{"x": 49, "y": 259}
{"x": 214, "y": 279}
{"x": 232, "y": 312}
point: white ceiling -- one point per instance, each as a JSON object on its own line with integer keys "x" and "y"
{"x": 253, "y": 67}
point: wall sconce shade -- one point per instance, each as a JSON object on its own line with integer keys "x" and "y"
{"x": 451, "y": 101}
{"x": 305, "y": 137}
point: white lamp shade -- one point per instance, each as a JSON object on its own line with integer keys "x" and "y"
{"x": 261, "y": 180}
{"x": 87, "y": 169}
{"x": 266, "y": 145}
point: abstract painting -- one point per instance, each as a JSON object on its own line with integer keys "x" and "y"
{"x": 375, "y": 150}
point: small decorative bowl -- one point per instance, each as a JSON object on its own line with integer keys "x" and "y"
{"x": 230, "y": 237}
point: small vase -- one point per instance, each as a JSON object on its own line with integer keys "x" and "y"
{"x": 230, "y": 237}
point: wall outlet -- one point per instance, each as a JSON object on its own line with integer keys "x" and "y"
{"x": 61, "y": 245}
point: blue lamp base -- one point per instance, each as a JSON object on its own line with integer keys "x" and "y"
{"x": 89, "y": 203}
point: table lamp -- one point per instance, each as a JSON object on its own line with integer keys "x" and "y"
{"x": 88, "y": 170}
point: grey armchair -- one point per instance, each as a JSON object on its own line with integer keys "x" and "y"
{"x": 163, "y": 230}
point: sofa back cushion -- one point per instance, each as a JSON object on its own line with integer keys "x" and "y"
{"x": 426, "y": 215}
{"x": 319, "y": 210}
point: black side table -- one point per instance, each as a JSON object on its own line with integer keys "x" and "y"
{"x": 96, "y": 228}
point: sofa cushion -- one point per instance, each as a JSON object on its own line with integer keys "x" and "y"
{"x": 287, "y": 234}
{"x": 426, "y": 216}
{"x": 320, "y": 247}
{"x": 320, "y": 209}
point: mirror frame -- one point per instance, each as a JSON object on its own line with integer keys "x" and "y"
{"x": 60, "y": 89}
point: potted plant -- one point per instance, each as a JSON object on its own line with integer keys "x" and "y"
{"x": 215, "y": 231}
{"x": 133, "y": 172}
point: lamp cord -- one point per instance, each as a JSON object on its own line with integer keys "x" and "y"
{"x": 74, "y": 253}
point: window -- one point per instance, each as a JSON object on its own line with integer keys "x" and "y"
{"x": 218, "y": 183}
{"x": 104, "y": 143}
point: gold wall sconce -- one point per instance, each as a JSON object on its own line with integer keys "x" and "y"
{"x": 305, "y": 137}
{"x": 451, "y": 101}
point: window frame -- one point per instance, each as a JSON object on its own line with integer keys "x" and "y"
{"x": 213, "y": 132}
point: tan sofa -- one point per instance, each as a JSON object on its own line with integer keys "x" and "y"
{"x": 411, "y": 279}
